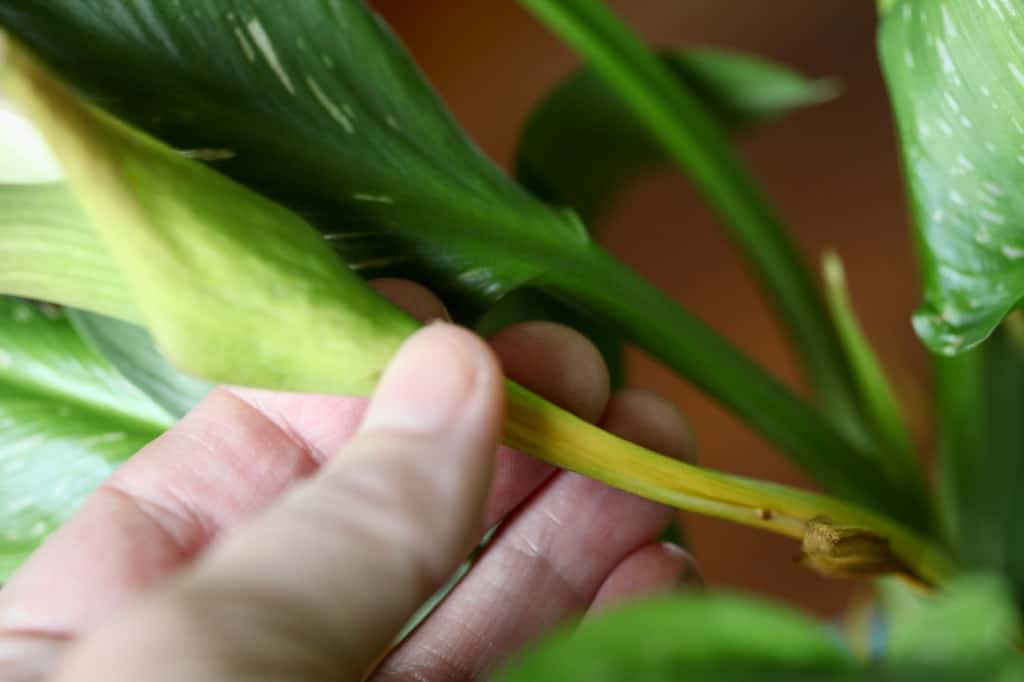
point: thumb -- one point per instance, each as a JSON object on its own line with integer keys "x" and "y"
{"x": 318, "y": 585}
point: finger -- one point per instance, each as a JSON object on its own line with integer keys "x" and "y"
{"x": 547, "y": 562}
{"x": 326, "y": 423}
{"x": 233, "y": 453}
{"x": 315, "y": 587}
{"x": 227, "y": 459}
{"x": 220, "y": 463}
{"x": 657, "y": 567}
{"x": 413, "y": 298}
{"x": 30, "y": 658}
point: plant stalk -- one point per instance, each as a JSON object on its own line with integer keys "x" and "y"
{"x": 548, "y": 432}
{"x": 656, "y": 323}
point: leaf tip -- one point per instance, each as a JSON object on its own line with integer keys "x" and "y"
{"x": 825, "y": 90}
{"x": 832, "y": 270}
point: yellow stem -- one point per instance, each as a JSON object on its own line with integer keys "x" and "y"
{"x": 546, "y": 431}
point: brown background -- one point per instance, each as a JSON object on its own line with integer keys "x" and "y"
{"x": 833, "y": 171}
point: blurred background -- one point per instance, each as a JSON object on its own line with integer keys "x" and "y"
{"x": 833, "y": 171}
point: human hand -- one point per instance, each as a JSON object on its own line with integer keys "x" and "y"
{"x": 235, "y": 547}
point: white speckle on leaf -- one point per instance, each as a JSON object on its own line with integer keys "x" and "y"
{"x": 966, "y": 122}
{"x": 342, "y": 236}
{"x": 992, "y": 189}
{"x": 332, "y": 109}
{"x": 38, "y": 529}
{"x": 957, "y": 198}
{"x": 908, "y": 58}
{"x": 992, "y": 217}
{"x": 373, "y": 198}
{"x": 1012, "y": 252}
{"x": 208, "y": 154}
{"x": 947, "y": 22}
{"x": 376, "y": 262}
{"x": 947, "y": 61}
{"x": 965, "y": 162}
{"x": 102, "y": 439}
{"x": 1017, "y": 73}
{"x": 983, "y": 236}
{"x": 391, "y": 121}
{"x": 250, "y": 54}
{"x": 266, "y": 47}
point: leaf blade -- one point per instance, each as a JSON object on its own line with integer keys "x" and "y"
{"x": 131, "y": 350}
{"x": 581, "y": 144}
{"x": 702, "y": 637}
{"x": 955, "y": 72}
{"x": 67, "y": 419}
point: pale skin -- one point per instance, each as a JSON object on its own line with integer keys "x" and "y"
{"x": 289, "y": 537}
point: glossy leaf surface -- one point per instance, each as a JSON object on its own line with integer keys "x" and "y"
{"x": 131, "y": 350}
{"x": 955, "y": 70}
{"x": 66, "y": 420}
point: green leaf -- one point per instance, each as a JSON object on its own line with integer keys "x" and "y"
{"x": 955, "y": 70}
{"x": 190, "y": 258}
{"x": 896, "y": 449}
{"x": 66, "y": 420}
{"x": 582, "y": 144}
{"x": 718, "y": 637}
{"x": 979, "y": 399}
{"x": 973, "y": 618}
{"x": 722, "y": 638}
{"x": 317, "y": 107}
{"x": 132, "y": 351}
{"x": 48, "y": 251}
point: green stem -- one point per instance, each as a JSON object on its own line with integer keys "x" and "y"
{"x": 548, "y": 432}
{"x": 690, "y": 135}
{"x": 881, "y": 408}
{"x": 656, "y": 323}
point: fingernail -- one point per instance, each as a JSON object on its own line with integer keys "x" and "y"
{"x": 689, "y": 575}
{"x": 429, "y": 383}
